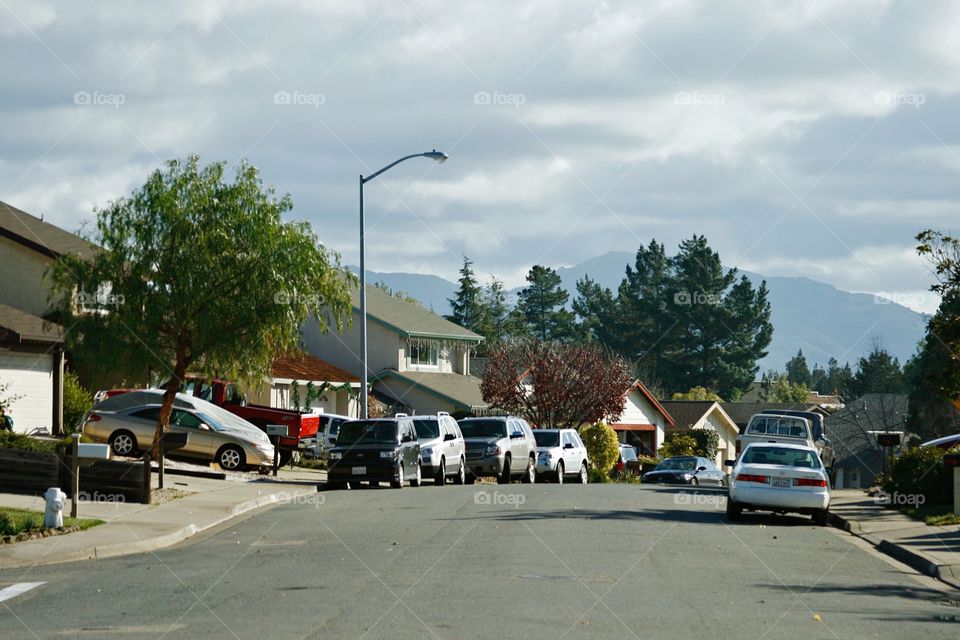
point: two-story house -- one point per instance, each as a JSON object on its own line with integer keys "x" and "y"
{"x": 417, "y": 362}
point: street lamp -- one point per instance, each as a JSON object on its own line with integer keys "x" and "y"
{"x": 440, "y": 158}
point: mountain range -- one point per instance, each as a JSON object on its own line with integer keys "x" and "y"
{"x": 813, "y": 316}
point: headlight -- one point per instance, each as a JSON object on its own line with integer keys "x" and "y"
{"x": 492, "y": 450}
{"x": 334, "y": 455}
{"x": 687, "y": 476}
{"x": 546, "y": 455}
{"x": 388, "y": 454}
{"x": 427, "y": 451}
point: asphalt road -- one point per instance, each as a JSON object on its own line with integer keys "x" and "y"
{"x": 541, "y": 561}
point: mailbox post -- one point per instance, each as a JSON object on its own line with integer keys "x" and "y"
{"x": 952, "y": 460}
{"x": 170, "y": 442}
{"x": 275, "y": 432}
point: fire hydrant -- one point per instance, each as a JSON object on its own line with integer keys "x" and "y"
{"x": 53, "y": 516}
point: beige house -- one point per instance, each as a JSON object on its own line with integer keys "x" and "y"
{"x": 706, "y": 414}
{"x": 418, "y": 362}
{"x": 644, "y": 421}
{"x": 337, "y": 390}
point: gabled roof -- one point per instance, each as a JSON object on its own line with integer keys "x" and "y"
{"x": 639, "y": 386}
{"x": 461, "y": 390}
{"x": 308, "y": 367}
{"x": 42, "y": 237}
{"x": 408, "y": 318}
{"x": 689, "y": 412}
{"x": 20, "y": 326}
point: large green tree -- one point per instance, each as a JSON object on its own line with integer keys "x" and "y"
{"x": 878, "y": 372}
{"x": 798, "y": 372}
{"x": 542, "y": 305}
{"x": 466, "y": 307}
{"x": 199, "y": 272}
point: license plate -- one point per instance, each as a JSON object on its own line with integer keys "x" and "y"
{"x": 359, "y": 471}
{"x": 781, "y": 482}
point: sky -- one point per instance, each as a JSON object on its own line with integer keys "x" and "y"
{"x": 812, "y": 138}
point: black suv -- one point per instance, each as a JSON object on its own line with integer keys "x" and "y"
{"x": 373, "y": 450}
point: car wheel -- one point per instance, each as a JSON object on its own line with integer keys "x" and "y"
{"x": 584, "y": 475}
{"x": 471, "y": 479}
{"x": 504, "y": 477}
{"x": 733, "y": 510}
{"x": 123, "y": 443}
{"x": 441, "y": 477}
{"x": 821, "y": 517}
{"x": 461, "y": 476}
{"x": 417, "y": 479}
{"x": 397, "y": 482}
{"x": 530, "y": 475}
{"x": 264, "y": 471}
{"x": 559, "y": 474}
{"x": 284, "y": 458}
{"x": 231, "y": 458}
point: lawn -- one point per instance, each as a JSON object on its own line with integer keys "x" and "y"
{"x": 16, "y": 521}
{"x": 935, "y": 515}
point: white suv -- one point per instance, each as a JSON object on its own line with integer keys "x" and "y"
{"x": 560, "y": 453}
{"x": 442, "y": 452}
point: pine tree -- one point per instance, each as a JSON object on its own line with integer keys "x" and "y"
{"x": 595, "y": 307}
{"x": 878, "y": 372}
{"x": 797, "y": 370}
{"x": 541, "y": 305}
{"x": 466, "y": 307}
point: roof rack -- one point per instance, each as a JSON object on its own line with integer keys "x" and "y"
{"x": 400, "y": 415}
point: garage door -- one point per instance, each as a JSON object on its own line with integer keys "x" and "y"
{"x": 30, "y": 376}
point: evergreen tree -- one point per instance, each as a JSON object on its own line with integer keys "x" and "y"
{"x": 542, "y": 303}
{"x": 797, "y": 370}
{"x": 494, "y": 315}
{"x": 878, "y": 372}
{"x": 466, "y": 307}
{"x": 595, "y": 307}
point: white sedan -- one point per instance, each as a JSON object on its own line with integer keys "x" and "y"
{"x": 780, "y": 478}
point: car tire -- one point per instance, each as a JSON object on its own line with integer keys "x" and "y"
{"x": 471, "y": 479}
{"x": 397, "y": 482}
{"x": 461, "y": 477}
{"x": 417, "y": 479}
{"x": 284, "y": 458}
{"x": 231, "y": 458}
{"x": 584, "y": 474}
{"x": 530, "y": 475}
{"x": 558, "y": 475}
{"x": 441, "y": 478}
{"x": 821, "y": 517}
{"x": 734, "y": 509}
{"x": 123, "y": 443}
{"x": 504, "y": 477}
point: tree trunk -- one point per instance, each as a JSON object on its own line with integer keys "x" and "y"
{"x": 169, "y": 394}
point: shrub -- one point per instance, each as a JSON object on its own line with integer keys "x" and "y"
{"x": 602, "y": 446}
{"x": 647, "y": 463}
{"x": 76, "y": 402}
{"x": 678, "y": 443}
{"x": 921, "y": 471}
{"x": 598, "y": 475}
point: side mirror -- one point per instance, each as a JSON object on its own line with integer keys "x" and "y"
{"x": 204, "y": 427}
{"x": 729, "y": 463}
{"x": 569, "y": 445}
{"x": 515, "y": 435}
{"x": 701, "y": 469}
{"x": 449, "y": 437}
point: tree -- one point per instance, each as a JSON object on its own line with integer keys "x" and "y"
{"x": 775, "y": 387}
{"x": 466, "y": 306}
{"x": 202, "y": 275}
{"x": 834, "y": 380}
{"x": 602, "y": 446}
{"x": 494, "y": 322}
{"x": 76, "y": 401}
{"x": 878, "y": 372}
{"x": 697, "y": 393}
{"x": 678, "y": 444}
{"x": 797, "y": 370}
{"x": 399, "y": 295}
{"x": 552, "y": 384}
{"x": 541, "y": 304}
{"x": 595, "y": 307}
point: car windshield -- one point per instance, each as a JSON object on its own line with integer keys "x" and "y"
{"x": 427, "y": 428}
{"x": 367, "y": 432}
{"x": 678, "y": 464}
{"x": 628, "y": 453}
{"x": 784, "y": 426}
{"x": 335, "y": 426}
{"x": 782, "y": 456}
{"x": 547, "y": 438}
{"x": 484, "y": 428}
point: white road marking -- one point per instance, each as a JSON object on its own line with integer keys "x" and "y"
{"x": 17, "y": 590}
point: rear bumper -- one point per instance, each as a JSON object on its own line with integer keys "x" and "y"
{"x": 770, "y": 499}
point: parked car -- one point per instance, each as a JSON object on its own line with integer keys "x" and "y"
{"x": 560, "y": 453}
{"x": 818, "y": 427}
{"x": 790, "y": 427}
{"x": 627, "y": 462}
{"x": 686, "y": 470}
{"x": 780, "y": 478}
{"x": 381, "y": 449}
{"x": 946, "y": 442}
{"x": 327, "y": 433}
{"x": 502, "y": 447}
{"x": 442, "y": 451}
{"x": 128, "y": 424}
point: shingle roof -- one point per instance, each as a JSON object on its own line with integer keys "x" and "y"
{"x": 41, "y": 236}
{"x": 459, "y": 389}
{"x": 309, "y": 367}
{"x": 687, "y": 413}
{"x": 21, "y": 326}
{"x": 409, "y": 318}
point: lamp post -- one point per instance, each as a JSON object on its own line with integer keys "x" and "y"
{"x": 433, "y": 155}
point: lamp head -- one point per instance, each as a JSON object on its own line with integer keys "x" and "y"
{"x": 438, "y": 156}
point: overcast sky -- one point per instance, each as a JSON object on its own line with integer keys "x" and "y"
{"x": 813, "y": 138}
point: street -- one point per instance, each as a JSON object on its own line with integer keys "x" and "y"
{"x": 522, "y": 561}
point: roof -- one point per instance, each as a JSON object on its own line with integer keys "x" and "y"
{"x": 852, "y": 429}
{"x": 459, "y": 389}
{"x": 41, "y": 236}
{"x": 309, "y": 367}
{"x": 740, "y": 412}
{"x": 20, "y": 326}
{"x": 408, "y": 318}
{"x": 639, "y": 386}
{"x": 687, "y": 413}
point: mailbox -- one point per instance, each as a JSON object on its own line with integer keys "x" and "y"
{"x": 888, "y": 439}
{"x": 952, "y": 460}
{"x": 276, "y": 430}
{"x": 96, "y": 451}
{"x": 172, "y": 441}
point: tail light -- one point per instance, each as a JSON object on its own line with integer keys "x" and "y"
{"x": 94, "y": 418}
{"x": 809, "y": 482}
{"x": 750, "y": 477}
{"x": 620, "y": 465}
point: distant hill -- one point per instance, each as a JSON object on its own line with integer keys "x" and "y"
{"x": 816, "y": 317}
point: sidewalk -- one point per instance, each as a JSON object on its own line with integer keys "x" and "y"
{"x": 138, "y": 528}
{"x": 934, "y": 551}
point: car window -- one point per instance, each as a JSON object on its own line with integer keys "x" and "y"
{"x": 152, "y": 413}
{"x": 628, "y": 454}
{"x": 335, "y": 425}
{"x": 782, "y": 456}
{"x": 483, "y": 428}
{"x": 184, "y": 419}
{"x": 677, "y": 464}
{"x": 525, "y": 428}
{"x": 546, "y": 438}
{"x": 427, "y": 428}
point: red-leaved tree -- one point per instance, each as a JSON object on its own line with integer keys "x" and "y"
{"x": 556, "y": 385}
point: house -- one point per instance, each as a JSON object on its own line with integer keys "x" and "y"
{"x": 32, "y": 359}
{"x": 741, "y": 412}
{"x": 417, "y": 361}
{"x": 853, "y": 432}
{"x": 706, "y": 414}
{"x": 336, "y": 390}
{"x": 643, "y": 422}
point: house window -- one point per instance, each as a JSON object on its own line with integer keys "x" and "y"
{"x": 424, "y": 354}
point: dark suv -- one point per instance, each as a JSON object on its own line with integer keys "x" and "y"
{"x": 501, "y": 447}
{"x": 373, "y": 450}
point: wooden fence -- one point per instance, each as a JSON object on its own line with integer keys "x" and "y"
{"x": 33, "y": 472}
